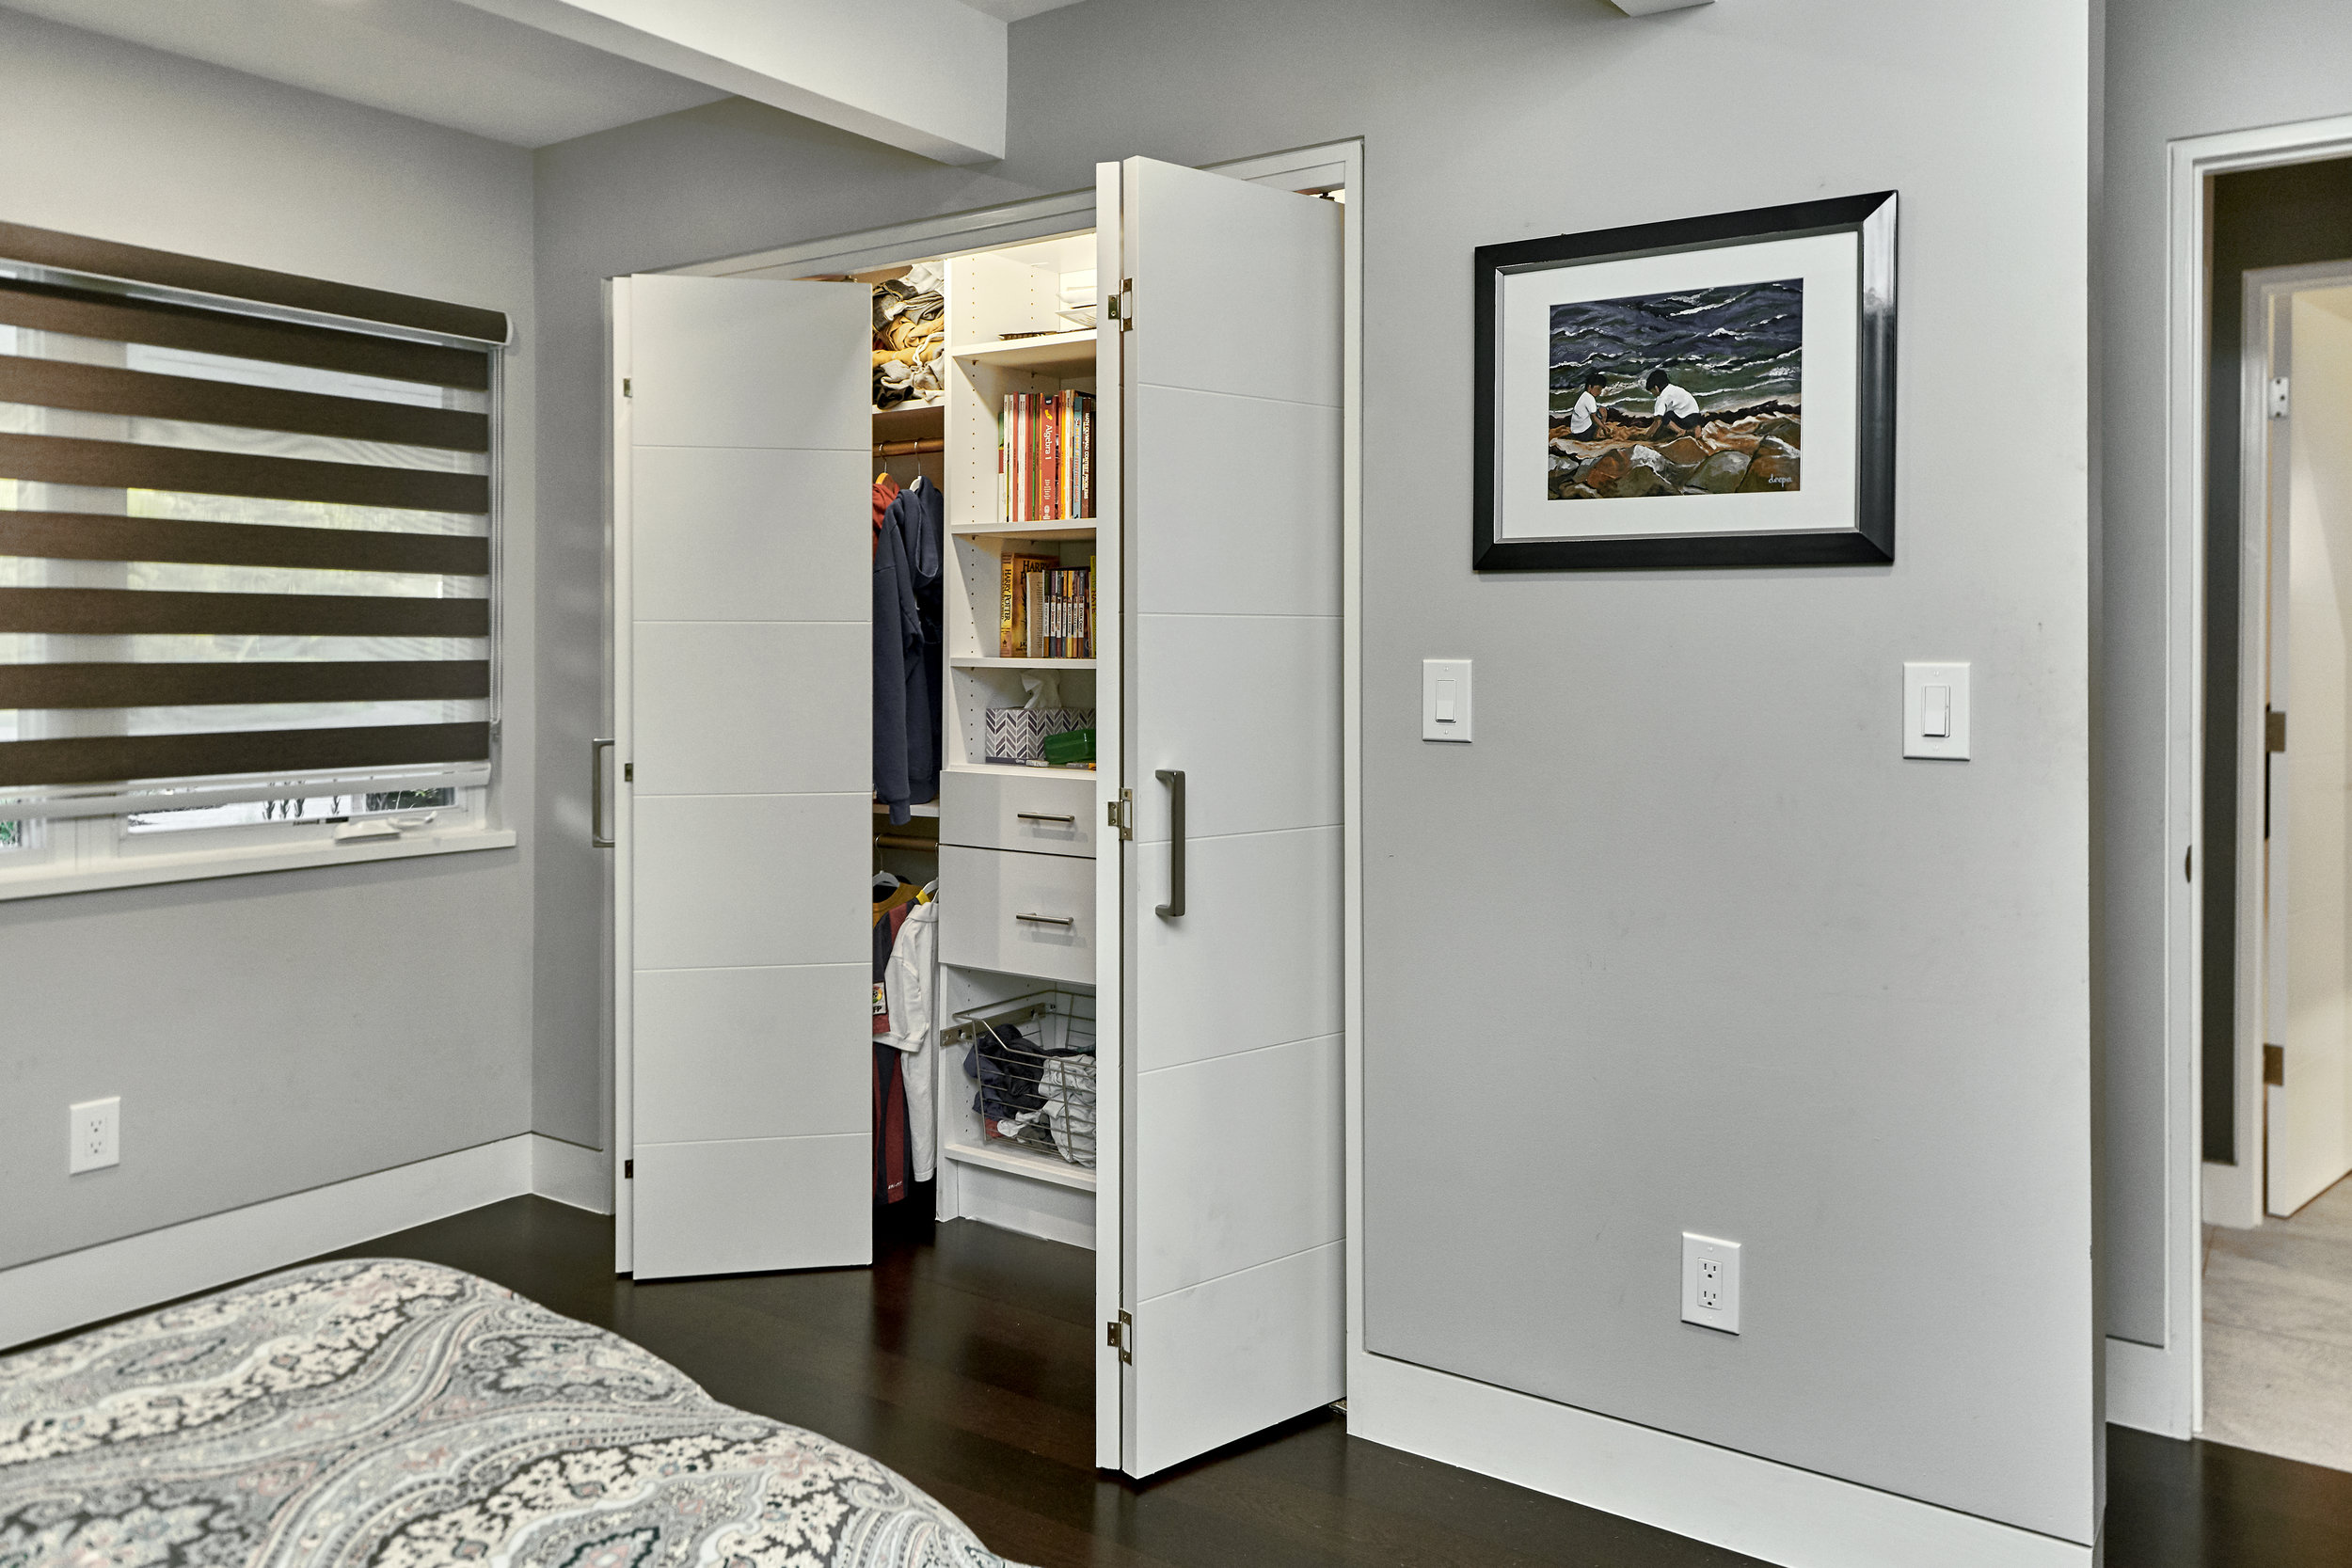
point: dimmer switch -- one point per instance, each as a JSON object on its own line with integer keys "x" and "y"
{"x": 1935, "y": 711}
{"x": 1445, "y": 699}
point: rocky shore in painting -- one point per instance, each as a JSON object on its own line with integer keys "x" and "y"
{"x": 1755, "y": 449}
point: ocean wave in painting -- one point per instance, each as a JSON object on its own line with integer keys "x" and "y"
{"x": 1730, "y": 346}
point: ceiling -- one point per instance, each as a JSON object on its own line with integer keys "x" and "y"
{"x": 435, "y": 60}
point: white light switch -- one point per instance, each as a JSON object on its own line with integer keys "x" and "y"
{"x": 1445, "y": 699}
{"x": 1935, "y": 710}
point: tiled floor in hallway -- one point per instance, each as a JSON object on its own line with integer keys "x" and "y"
{"x": 2279, "y": 1333}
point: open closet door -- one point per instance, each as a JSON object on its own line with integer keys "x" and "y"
{"x": 743, "y": 698}
{"x": 1233, "y": 1228}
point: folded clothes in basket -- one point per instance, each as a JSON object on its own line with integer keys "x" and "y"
{"x": 1034, "y": 1094}
{"x": 1008, "y": 1069}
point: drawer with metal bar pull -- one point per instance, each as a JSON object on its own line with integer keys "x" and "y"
{"x": 1041, "y": 812}
{"x": 1017, "y": 913}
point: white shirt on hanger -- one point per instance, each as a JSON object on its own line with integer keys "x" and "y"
{"x": 907, "y": 987}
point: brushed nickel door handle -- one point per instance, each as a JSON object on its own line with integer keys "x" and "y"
{"x": 597, "y": 839}
{"x": 1175, "y": 779}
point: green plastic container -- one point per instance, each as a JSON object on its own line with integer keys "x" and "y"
{"x": 1069, "y": 746}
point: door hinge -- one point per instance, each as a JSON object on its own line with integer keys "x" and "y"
{"x": 1123, "y": 305}
{"x": 629, "y": 1170}
{"x": 1119, "y": 1334}
{"x": 2274, "y": 730}
{"x": 1120, "y": 814}
{"x": 628, "y": 773}
{"x": 2275, "y": 1065}
{"x": 627, "y": 390}
{"x": 2278, "y": 397}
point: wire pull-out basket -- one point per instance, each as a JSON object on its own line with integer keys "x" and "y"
{"x": 1030, "y": 1065}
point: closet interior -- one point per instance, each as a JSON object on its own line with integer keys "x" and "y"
{"x": 985, "y": 709}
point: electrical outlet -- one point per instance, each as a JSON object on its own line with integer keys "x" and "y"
{"x": 1710, "y": 1282}
{"x": 94, "y": 1134}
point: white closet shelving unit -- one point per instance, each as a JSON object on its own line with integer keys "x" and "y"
{"x": 1181, "y": 904}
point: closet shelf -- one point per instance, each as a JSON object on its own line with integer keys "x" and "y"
{"x": 1076, "y": 528}
{"x": 1012, "y": 770}
{"x": 928, "y": 808}
{"x": 1068, "y": 352}
{"x": 1039, "y": 1165}
{"x": 1022, "y": 663}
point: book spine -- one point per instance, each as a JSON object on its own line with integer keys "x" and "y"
{"x": 1036, "y": 594}
{"x": 1008, "y": 584}
{"x": 1091, "y": 621}
{"x": 1050, "y": 455}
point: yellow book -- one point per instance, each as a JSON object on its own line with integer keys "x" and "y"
{"x": 1012, "y": 623}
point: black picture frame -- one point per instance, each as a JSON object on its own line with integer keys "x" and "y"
{"x": 1872, "y": 541}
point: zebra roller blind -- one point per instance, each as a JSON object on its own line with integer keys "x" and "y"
{"x": 246, "y": 534}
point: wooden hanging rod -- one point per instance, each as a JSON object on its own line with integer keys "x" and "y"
{"x": 907, "y": 449}
{"x": 901, "y": 840}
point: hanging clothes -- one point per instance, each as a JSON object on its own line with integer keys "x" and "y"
{"x": 911, "y": 1001}
{"x": 894, "y": 1133}
{"x": 908, "y": 645}
{"x": 885, "y": 491}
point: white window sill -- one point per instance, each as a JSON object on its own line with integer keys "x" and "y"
{"x": 41, "y": 882}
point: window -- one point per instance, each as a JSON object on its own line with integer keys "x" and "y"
{"x": 247, "y": 565}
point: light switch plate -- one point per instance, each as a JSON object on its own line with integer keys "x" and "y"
{"x": 1445, "y": 699}
{"x": 1710, "y": 1282}
{"x": 1953, "y": 680}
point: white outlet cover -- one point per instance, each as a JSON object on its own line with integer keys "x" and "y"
{"x": 93, "y": 1134}
{"x": 1710, "y": 1282}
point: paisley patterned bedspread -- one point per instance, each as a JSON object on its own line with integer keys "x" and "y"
{"x": 398, "y": 1414}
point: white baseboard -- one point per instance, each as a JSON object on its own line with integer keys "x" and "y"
{"x": 2148, "y": 1388}
{"x": 52, "y": 1294}
{"x": 1011, "y": 1202}
{"x": 569, "y": 1174}
{"x": 1726, "y": 1499}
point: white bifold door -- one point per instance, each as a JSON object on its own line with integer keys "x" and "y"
{"x": 743, "y": 773}
{"x": 1231, "y": 1207}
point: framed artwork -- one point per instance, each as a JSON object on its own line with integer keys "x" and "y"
{"x": 1715, "y": 391}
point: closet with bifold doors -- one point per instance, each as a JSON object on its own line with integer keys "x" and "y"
{"x": 1073, "y": 714}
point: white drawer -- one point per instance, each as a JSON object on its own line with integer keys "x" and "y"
{"x": 1046, "y": 814}
{"x": 984, "y": 894}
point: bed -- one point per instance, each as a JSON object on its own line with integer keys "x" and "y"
{"x": 393, "y": 1413}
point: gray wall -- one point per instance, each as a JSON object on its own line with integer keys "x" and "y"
{"x": 270, "y": 1032}
{"x": 1680, "y": 942}
{"x": 2175, "y": 67}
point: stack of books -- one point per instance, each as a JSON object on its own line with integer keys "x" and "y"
{"x": 1046, "y": 610}
{"x": 1046, "y": 453}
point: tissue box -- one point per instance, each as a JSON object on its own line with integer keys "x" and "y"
{"x": 1018, "y": 734}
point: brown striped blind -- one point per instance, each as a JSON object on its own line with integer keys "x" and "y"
{"x": 246, "y": 534}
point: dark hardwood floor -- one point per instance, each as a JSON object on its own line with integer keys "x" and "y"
{"x": 964, "y": 1358}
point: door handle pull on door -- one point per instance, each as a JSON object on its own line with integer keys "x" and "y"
{"x": 1175, "y": 779}
{"x": 597, "y": 839}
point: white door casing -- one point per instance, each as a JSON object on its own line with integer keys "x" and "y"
{"x": 742, "y": 705}
{"x": 1233, "y": 1230}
